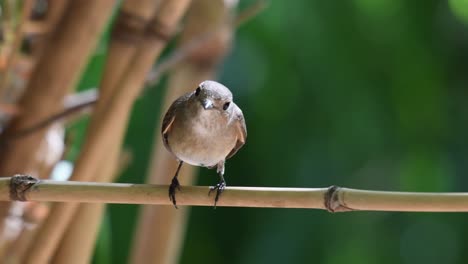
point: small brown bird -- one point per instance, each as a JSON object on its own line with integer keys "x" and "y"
{"x": 203, "y": 128}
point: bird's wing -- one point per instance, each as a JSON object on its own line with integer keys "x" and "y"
{"x": 169, "y": 118}
{"x": 241, "y": 131}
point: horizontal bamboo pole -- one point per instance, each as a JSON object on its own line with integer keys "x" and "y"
{"x": 333, "y": 199}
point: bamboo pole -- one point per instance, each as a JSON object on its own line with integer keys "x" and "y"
{"x": 103, "y": 122}
{"x": 129, "y": 28}
{"x": 35, "y": 213}
{"x": 160, "y": 230}
{"x": 127, "y": 33}
{"x": 332, "y": 199}
{"x": 45, "y": 25}
{"x": 50, "y": 82}
{"x": 21, "y": 63}
{"x": 80, "y": 30}
{"x": 84, "y": 227}
{"x": 90, "y": 215}
{"x": 86, "y": 101}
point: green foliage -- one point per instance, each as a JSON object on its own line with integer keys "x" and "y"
{"x": 366, "y": 94}
{"x": 460, "y": 9}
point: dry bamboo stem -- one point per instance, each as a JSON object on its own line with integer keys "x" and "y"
{"x": 333, "y": 199}
{"x": 180, "y": 55}
{"x": 90, "y": 215}
{"x": 55, "y": 9}
{"x": 127, "y": 32}
{"x": 80, "y": 29}
{"x": 43, "y": 28}
{"x": 132, "y": 20}
{"x": 50, "y": 82}
{"x": 34, "y": 214}
{"x": 161, "y": 229}
{"x": 104, "y": 121}
{"x": 197, "y": 42}
{"x": 12, "y": 91}
{"x": 84, "y": 227}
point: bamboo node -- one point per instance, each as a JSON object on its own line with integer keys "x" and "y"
{"x": 19, "y": 186}
{"x": 156, "y": 30}
{"x": 129, "y": 27}
{"x": 333, "y": 201}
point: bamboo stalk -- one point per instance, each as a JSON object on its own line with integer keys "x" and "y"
{"x": 90, "y": 215}
{"x": 160, "y": 231}
{"x": 131, "y": 22}
{"x": 50, "y": 82}
{"x": 77, "y": 245}
{"x": 55, "y": 9}
{"x": 105, "y": 120}
{"x": 118, "y": 106}
{"x": 127, "y": 32}
{"x": 168, "y": 64}
{"x": 21, "y": 64}
{"x": 35, "y": 213}
{"x": 333, "y": 199}
{"x": 81, "y": 27}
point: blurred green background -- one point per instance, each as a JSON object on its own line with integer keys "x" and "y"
{"x": 364, "y": 94}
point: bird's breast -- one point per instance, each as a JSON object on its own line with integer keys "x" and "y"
{"x": 203, "y": 139}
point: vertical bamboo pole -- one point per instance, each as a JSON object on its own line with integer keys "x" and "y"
{"x": 51, "y": 80}
{"x": 161, "y": 228}
{"x": 128, "y": 30}
{"x": 77, "y": 244}
{"x": 35, "y": 213}
{"x": 105, "y": 120}
{"x": 39, "y": 31}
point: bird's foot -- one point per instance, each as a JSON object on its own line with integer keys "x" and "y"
{"x": 219, "y": 189}
{"x": 172, "y": 190}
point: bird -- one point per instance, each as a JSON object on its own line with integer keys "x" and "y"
{"x": 203, "y": 128}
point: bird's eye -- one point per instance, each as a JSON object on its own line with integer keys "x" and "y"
{"x": 226, "y": 105}
{"x": 197, "y": 91}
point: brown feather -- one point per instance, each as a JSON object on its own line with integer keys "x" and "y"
{"x": 241, "y": 132}
{"x": 169, "y": 118}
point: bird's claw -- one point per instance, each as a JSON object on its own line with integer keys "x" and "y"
{"x": 172, "y": 190}
{"x": 219, "y": 189}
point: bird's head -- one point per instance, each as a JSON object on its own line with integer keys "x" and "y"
{"x": 213, "y": 95}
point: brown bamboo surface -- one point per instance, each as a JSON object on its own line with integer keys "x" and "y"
{"x": 127, "y": 32}
{"x": 333, "y": 199}
{"x": 105, "y": 120}
{"x": 80, "y": 28}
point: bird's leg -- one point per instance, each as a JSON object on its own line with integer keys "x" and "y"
{"x": 222, "y": 183}
{"x": 175, "y": 185}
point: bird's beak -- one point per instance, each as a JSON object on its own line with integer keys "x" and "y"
{"x": 207, "y": 104}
